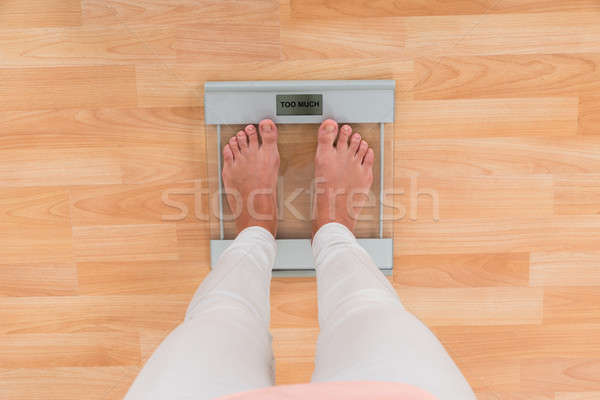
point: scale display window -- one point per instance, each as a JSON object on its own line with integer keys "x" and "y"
{"x": 298, "y": 108}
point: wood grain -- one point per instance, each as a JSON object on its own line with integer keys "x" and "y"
{"x": 67, "y": 383}
{"x": 589, "y": 115}
{"x": 88, "y": 45}
{"x": 565, "y": 269}
{"x": 139, "y": 277}
{"x": 90, "y": 349}
{"x": 571, "y": 304}
{"x": 577, "y": 194}
{"x": 39, "y": 13}
{"x": 539, "y": 75}
{"x": 474, "y": 306}
{"x": 499, "y": 235}
{"x": 125, "y": 242}
{"x": 425, "y": 198}
{"x": 577, "y": 395}
{"x": 462, "y": 270}
{"x": 552, "y": 116}
{"x": 67, "y": 87}
{"x": 488, "y": 34}
{"x": 569, "y": 375}
{"x": 38, "y": 279}
{"x": 73, "y": 314}
{"x": 358, "y": 8}
{"x": 452, "y": 157}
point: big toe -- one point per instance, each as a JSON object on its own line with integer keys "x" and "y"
{"x": 328, "y": 132}
{"x": 268, "y": 132}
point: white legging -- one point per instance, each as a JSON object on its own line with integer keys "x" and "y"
{"x": 224, "y": 346}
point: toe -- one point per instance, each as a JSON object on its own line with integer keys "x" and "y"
{"x": 268, "y": 132}
{"x": 342, "y": 140}
{"x": 355, "y": 142}
{"x": 328, "y": 132}
{"x": 369, "y": 158}
{"x": 242, "y": 140}
{"x": 362, "y": 150}
{"x": 235, "y": 148}
{"x": 252, "y": 136}
{"x": 227, "y": 154}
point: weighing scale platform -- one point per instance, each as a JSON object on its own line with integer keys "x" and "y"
{"x": 298, "y": 107}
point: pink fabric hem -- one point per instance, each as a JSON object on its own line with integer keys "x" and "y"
{"x": 336, "y": 390}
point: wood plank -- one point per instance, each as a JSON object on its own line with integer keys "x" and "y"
{"x": 497, "y": 375}
{"x": 177, "y": 12}
{"x": 88, "y": 45}
{"x": 539, "y": 75}
{"x": 77, "y": 314}
{"x": 38, "y": 279}
{"x": 577, "y": 395}
{"x": 59, "y": 167}
{"x": 427, "y": 198}
{"x": 292, "y": 371}
{"x": 177, "y": 84}
{"x": 589, "y": 115}
{"x": 565, "y": 268}
{"x": 485, "y": 395}
{"x": 577, "y": 194}
{"x": 298, "y": 311}
{"x": 498, "y": 156}
{"x": 350, "y": 38}
{"x": 562, "y": 374}
{"x": 67, "y": 87}
{"x": 461, "y": 270}
{"x": 34, "y": 206}
{"x": 525, "y": 342}
{"x": 148, "y": 242}
{"x": 66, "y": 383}
{"x": 151, "y": 164}
{"x": 572, "y": 304}
{"x": 35, "y": 226}
{"x": 97, "y": 128}
{"x": 295, "y": 343}
{"x": 134, "y": 204}
{"x": 40, "y": 13}
{"x": 359, "y": 8}
{"x": 140, "y": 277}
{"x": 488, "y": 34}
{"x": 193, "y": 243}
{"x": 551, "y": 116}
{"x": 229, "y": 42}
{"x": 36, "y": 244}
{"x": 474, "y": 306}
{"x": 90, "y": 349}
{"x": 498, "y": 235}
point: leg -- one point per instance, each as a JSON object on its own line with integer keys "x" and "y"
{"x": 223, "y": 346}
{"x": 366, "y": 334}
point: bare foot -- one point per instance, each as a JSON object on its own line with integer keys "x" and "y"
{"x": 250, "y": 176}
{"x": 343, "y": 175}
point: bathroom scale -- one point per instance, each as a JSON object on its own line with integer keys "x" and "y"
{"x": 298, "y": 108}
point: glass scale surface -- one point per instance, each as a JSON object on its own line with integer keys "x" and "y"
{"x": 298, "y": 108}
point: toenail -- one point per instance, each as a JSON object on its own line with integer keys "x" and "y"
{"x": 266, "y": 128}
{"x": 329, "y": 128}
{"x": 251, "y": 128}
{"x": 346, "y": 128}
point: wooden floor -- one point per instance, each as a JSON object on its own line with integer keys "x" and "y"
{"x": 498, "y": 112}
